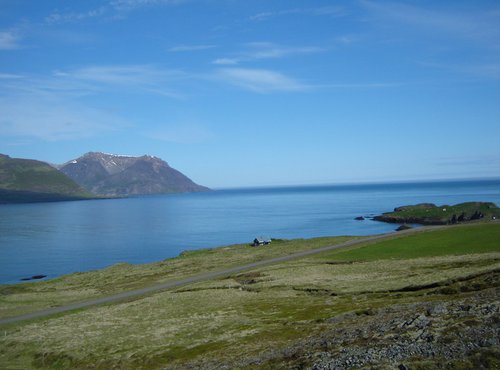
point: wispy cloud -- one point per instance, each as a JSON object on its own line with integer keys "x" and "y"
{"x": 335, "y": 11}
{"x": 141, "y": 77}
{"x": 52, "y": 120}
{"x": 114, "y": 9}
{"x": 489, "y": 71}
{"x": 183, "y": 48}
{"x": 10, "y": 39}
{"x": 9, "y": 76}
{"x": 59, "y": 17}
{"x": 266, "y": 50}
{"x": 51, "y": 107}
{"x": 260, "y": 80}
{"x": 226, "y": 61}
{"x": 476, "y": 24}
{"x": 127, "y": 5}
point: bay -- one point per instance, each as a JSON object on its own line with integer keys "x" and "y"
{"x": 60, "y": 238}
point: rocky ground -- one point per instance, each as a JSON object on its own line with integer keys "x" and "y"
{"x": 447, "y": 331}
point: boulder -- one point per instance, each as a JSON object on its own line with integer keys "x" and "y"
{"x": 404, "y": 227}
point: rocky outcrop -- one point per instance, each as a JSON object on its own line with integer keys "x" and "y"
{"x": 430, "y": 214}
{"x": 404, "y": 227}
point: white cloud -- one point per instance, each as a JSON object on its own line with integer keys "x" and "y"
{"x": 50, "y": 107}
{"x": 182, "y": 48}
{"x": 335, "y": 11}
{"x": 127, "y": 5}
{"x": 260, "y": 80}
{"x": 266, "y": 50}
{"x": 10, "y": 40}
{"x": 58, "y": 17}
{"x": 145, "y": 78}
{"x": 9, "y": 76}
{"x": 114, "y": 9}
{"x": 118, "y": 74}
{"x": 226, "y": 61}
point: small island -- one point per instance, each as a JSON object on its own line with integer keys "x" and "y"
{"x": 431, "y": 214}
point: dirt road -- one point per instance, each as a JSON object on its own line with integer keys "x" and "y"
{"x": 131, "y": 294}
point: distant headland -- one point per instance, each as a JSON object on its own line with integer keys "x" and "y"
{"x": 431, "y": 214}
{"x": 93, "y": 175}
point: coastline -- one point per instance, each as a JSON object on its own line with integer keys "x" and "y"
{"x": 364, "y": 300}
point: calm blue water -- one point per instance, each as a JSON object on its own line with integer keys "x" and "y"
{"x": 59, "y": 238}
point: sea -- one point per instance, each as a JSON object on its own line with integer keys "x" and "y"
{"x": 54, "y": 239}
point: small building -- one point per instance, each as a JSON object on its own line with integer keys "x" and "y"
{"x": 261, "y": 240}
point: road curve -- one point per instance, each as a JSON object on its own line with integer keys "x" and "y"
{"x": 201, "y": 277}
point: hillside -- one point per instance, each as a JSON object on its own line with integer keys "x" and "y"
{"x": 116, "y": 175}
{"x": 27, "y": 180}
{"x": 430, "y": 214}
{"x": 421, "y": 300}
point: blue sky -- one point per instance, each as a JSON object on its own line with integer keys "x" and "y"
{"x": 257, "y": 92}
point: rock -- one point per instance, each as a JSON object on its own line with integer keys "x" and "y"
{"x": 404, "y": 227}
{"x": 403, "y": 367}
{"x": 34, "y": 277}
{"x": 419, "y": 206}
{"x": 359, "y": 218}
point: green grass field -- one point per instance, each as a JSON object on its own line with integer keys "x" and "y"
{"x": 226, "y": 321}
{"x": 457, "y": 240}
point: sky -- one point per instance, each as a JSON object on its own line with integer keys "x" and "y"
{"x": 238, "y": 93}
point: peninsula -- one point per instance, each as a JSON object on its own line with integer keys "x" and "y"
{"x": 431, "y": 214}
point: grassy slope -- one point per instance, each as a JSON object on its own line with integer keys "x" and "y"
{"x": 27, "y": 297}
{"x": 254, "y": 312}
{"x": 30, "y": 180}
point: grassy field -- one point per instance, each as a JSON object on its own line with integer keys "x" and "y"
{"x": 27, "y": 297}
{"x": 239, "y": 320}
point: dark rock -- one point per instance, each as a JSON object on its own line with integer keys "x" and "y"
{"x": 359, "y": 218}
{"x": 404, "y": 227}
{"x": 403, "y": 367}
{"x": 420, "y": 205}
{"x": 34, "y": 277}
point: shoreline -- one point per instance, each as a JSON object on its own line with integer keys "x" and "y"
{"x": 146, "y": 290}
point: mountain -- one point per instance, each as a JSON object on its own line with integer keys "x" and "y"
{"x": 27, "y": 180}
{"x": 118, "y": 175}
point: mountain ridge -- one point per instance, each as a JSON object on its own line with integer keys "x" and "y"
{"x": 123, "y": 175}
